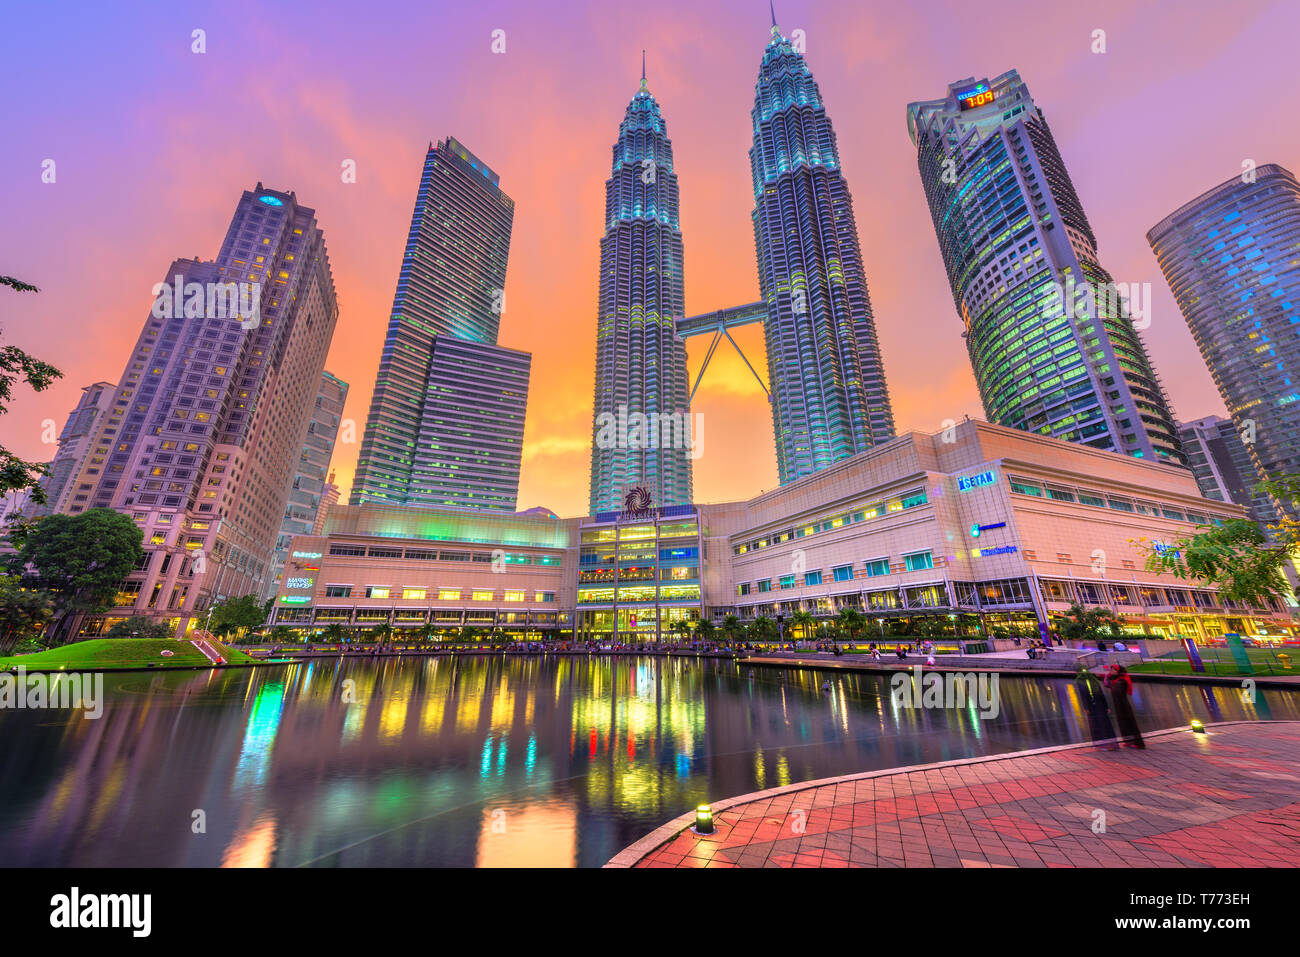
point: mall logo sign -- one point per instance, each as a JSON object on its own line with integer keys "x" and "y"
{"x": 949, "y": 690}
{"x": 636, "y": 505}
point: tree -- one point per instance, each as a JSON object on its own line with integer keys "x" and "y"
{"x": 763, "y": 628}
{"x": 237, "y": 615}
{"x": 850, "y": 621}
{"x": 704, "y": 630}
{"x": 682, "y": 628}
{"x": 139, "y": 626}
{"x": 732, "y": 629}
{"x": 335, "y": 634}
{"x": 804, "y": 621}
{"x": 1088, "y": 624}
{"x": 23, "y": 612}
{"x": 80, "y": 560}
{"x": 1236, "y": 557}
{"x": 15, "y": 473}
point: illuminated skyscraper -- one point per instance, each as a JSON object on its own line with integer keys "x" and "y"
{"x": 1232, "y": 259}
{"x": 451, "y": 286}
{"x": 200, "y": 438}
{"x": 829, "y": 398}
{"x": 640, "y": 360}
{"x": 1051, "y": 341}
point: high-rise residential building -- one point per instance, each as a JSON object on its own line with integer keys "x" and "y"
{"x": 1232, "y": 258}
{"x": 1218, "y": 458}
{"x": 329, "y": 497}
{"x": 1050, "y": 335}
{"x": 451, "y": 286}
{"x": 828, "y": 392}
{"x": 640, "y": 359}
{"x": 471, "y": 436}
{"x": 307, "y": 495}
{"x": 74, "y": 444}
{"x": 203, "y": 432}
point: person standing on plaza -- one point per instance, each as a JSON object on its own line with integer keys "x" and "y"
{"x": 1121, "y": 692}
{"x": 1093, "y": 697}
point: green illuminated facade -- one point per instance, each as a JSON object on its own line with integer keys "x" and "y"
{"x": 1052, "y": 338}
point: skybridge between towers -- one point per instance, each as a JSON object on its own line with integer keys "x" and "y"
{"x": 719, "y": 322}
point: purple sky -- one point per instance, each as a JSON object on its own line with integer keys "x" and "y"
{"x": 153, "y": 144}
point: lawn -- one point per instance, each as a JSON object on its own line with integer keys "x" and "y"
{"x": 1219, "y": 661}
{"x": 113, "y": 653}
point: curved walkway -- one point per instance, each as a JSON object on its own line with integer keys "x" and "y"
{"x": 1229, "y": 798}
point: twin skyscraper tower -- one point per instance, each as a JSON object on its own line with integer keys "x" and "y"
{"x": 1051, "y": 337}
{"x": 827, "y": 381}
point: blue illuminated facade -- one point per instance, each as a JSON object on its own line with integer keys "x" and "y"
{"x": 1017, "y": 248}
{"x": 640, "y": 359}
{"x": 829, "y": 398}
{"x": 1232, "y": 259}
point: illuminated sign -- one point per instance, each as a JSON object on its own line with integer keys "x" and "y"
{"x": 977, "y": 95}
{"x": 306, "y": 554}
{"x": 270, "y": 200}
{"x": 299, "y": 582}
{"x": 295, "y": 599}
{"x": 977, "y": 528}
{"x": 967, "y": 482}
{"x": 1000, "y": 550}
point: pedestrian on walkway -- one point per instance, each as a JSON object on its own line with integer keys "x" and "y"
{"x": 1121, "y": 693}
{"x": 1093, "y": 697}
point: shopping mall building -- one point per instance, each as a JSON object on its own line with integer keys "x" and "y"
{"x": 980, "y": 529}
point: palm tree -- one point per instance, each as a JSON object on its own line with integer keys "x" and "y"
{"x": 732, "y": 629}
{"x": 804, "y": 620}
{"x": 851, "y": 621}
{"x": 335, "y": 634}
{"x": 763, "y": 628}
{"x": 704, "y": 629}
{"x": 682, "y": 628}
{"x": 383, "y": 633}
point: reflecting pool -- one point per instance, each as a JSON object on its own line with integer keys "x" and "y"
{"x": 479, "y": 761}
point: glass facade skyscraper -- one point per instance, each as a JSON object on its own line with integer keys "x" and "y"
{"x": 1218, "y": 458}
{"x": 1232, "y": 259}
{"x": 1053, "y": 345}
{"x": 640, "y": 359}
{"x": 828, "y": 392}
{"x": 452, "y": 285}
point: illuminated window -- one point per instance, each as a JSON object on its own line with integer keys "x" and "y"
{"x": 482, "y": 594}
{"x": 449, "y": 594}
{"x": 414, "y": 593}
{"x": 514, "y": 594}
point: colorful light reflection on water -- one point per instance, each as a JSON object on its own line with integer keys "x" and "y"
{"x": 479, "y": 761}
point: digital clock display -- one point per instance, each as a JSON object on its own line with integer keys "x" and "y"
{"x": 977, "y": 95}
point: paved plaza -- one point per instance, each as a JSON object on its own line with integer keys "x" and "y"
{"x": 1229, "y": 798}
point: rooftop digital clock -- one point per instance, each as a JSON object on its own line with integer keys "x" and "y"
{"x": 977, "y": 95}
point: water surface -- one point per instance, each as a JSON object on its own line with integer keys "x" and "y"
{"x": 478, "y": 761}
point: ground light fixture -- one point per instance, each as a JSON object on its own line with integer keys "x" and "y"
{"x": 703, "y": 820}
{"x": 1198, "y": 726}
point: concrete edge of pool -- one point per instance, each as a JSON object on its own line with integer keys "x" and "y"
{"x": 642, "y": 849}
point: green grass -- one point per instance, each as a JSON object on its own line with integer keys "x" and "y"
{"x": 1219, "y": 661}
{"x": 113, "y": 653}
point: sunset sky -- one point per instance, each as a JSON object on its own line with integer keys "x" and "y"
{"x": 154, "y": 144}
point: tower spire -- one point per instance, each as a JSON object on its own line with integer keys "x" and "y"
{"x": 771, "y": 5}
{"x": 644, "y": 85}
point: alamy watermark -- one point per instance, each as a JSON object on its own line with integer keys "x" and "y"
{"x": 656, "y": 430}
{"x": 1088, "y": 300}
{"x": 21, "y": 691}
{"x": 949, "y": 690}
{"x": 212, "y": 300}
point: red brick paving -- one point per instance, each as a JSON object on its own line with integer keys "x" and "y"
{"x": 1226, "y": 799}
